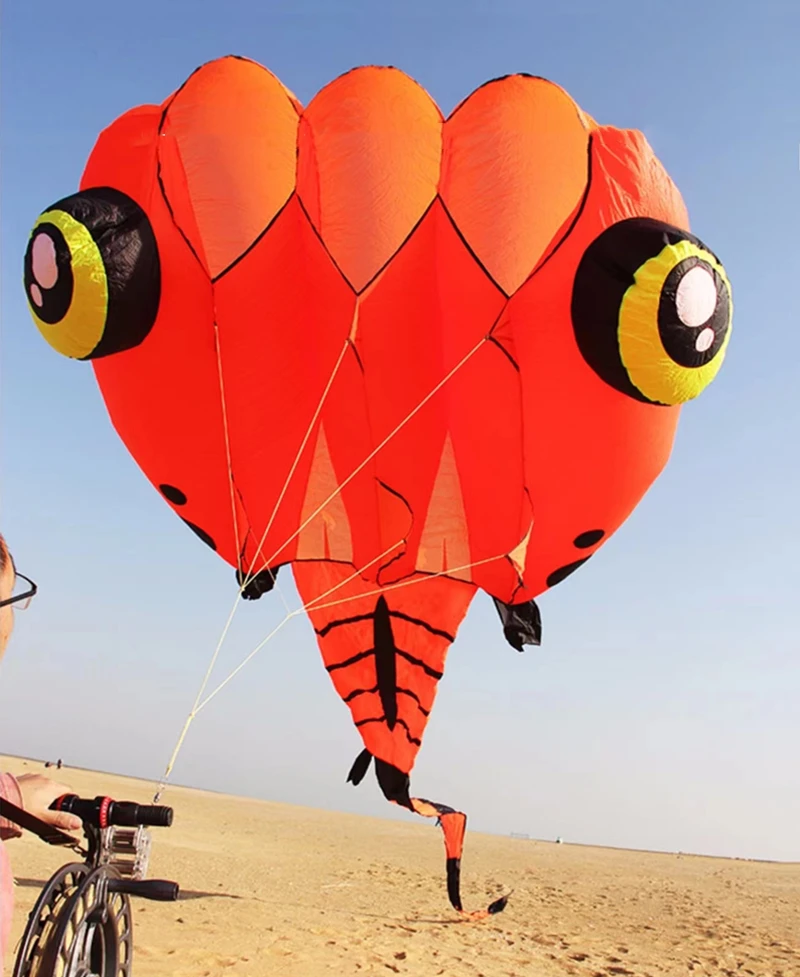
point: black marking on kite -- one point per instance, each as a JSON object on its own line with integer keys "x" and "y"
{"x": 398, "y": 614}
{"x": 502, "y": 348}
{"x": 399, "y": 722}
{"x": 172, "y": 494}
{"x": 454, "y": 883}
{"x": 201, "y": 534}
{"x": 398, "y": 651}
{"x": 393, "y": 782}
{"x": 440, "y": 808}
{"x": 254, "y": 586}
{"x": 520, "y": 584}
{"x": 423, "y": 624}
{"x": 344, "y": 620}
{"x": 413, "y": 695}
{"x": 584, "y": 540}
{"x": 354, "y": 349}
{"x": 385, "y": 660}
{"x": 350, "y": 661}
{"x": 401, "y": 552}
{"x": 257, "y": 240}
{"x": 360, "y": 767}
{"x": 469, "y": 248}
{"x": 563, "y": 572}
{"x": 420, "y": 664}
{"x": 399, "y": 495}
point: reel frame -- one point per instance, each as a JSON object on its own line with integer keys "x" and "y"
{"x": 81, "y": 924}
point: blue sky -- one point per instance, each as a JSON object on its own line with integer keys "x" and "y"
{"x": 662, "y": 709}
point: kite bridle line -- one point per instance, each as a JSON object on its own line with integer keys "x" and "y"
{"x": 199, "y": 701}
{"x": 312, "y": 424}
{"x": 224, "y": 405}
{"x": 382, "y": 445}
{"x": 312, "y": 605}
{"x": 246, "y": 578}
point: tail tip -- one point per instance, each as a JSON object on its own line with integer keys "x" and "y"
{"x": 498, "y": 905}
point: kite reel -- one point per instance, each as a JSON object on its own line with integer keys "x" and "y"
{"x": 81, "y": 925}
{"x": 127, "y": 850}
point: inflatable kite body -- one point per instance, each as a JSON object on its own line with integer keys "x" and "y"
{"x": 413, "y": 357}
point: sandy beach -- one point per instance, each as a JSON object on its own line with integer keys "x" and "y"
{"x": 296, "y": 892}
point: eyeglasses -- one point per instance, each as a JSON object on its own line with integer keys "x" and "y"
{"x": 26, "y": 587}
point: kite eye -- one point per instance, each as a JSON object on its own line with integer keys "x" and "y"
{"x": 92, "y": 274}
{"x": 651, "y": 310}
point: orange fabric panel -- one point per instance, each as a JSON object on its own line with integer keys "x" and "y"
{"x": 515, "y": 164}
{"x": 634, "y": 179}
{"x": 424, "y": 615}
{"x": 284, "y": 316}
{"x": 163, "y": 396}
{"x": 431, "y": 308}
{"x": 368, "y": 165}
{"x": 228, "y": 156}
{"x": 590, "y": 452}
{"x": 485, "y": 429}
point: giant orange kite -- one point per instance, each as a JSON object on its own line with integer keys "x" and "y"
{"x": 412, "y": 356}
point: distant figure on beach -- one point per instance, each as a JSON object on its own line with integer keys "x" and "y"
{"x": 59, "y": 763}
{"x": 559, "y": 841}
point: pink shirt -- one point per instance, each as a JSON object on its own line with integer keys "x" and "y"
{"x": 9, "y": 790}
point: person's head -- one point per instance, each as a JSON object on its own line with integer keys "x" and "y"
{"x": 7, "y": 580}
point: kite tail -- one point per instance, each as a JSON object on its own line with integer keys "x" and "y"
{"x": 396, "y": 786}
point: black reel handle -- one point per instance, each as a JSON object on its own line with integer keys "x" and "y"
{"x": 159, "y": 890}
{"x": 103, "y": 812}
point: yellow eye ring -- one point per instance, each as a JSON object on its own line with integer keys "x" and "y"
{"x": 92, "y": 274}
{"x": 669, "y": 360}
{"x": 72, "y": 316}
{"x": 651, "y": 310}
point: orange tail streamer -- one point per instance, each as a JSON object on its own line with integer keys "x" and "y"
{"x": 385, "y": 651}
{"x": 395, "y": 786}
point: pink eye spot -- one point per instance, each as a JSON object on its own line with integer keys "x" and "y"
{"x": 36, "y": 295}
{"x": 705, "y": 340}
{"x": 43, "y": 261}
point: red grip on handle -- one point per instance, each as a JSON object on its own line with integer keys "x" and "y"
{"x": 103, "y": 814}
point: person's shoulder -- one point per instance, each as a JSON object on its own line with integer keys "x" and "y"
{"x": 9, "y": 791}
{"x": 9, "y": 788}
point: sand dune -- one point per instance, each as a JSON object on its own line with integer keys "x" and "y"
{"x": 270, "y": 889}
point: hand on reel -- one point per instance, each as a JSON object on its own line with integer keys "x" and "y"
{"x": 81, "y": 924}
